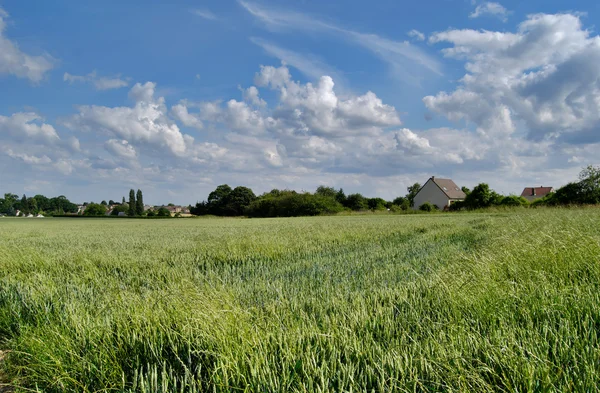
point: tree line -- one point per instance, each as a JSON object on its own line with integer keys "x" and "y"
{"x": 133, "y": 208}
{"x": 242, "y": 201}
{"x": 584, "y": 191}
{"x": 11, "y": 203}
{"x": 40, "y": 204}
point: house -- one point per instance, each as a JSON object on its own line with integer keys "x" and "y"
{"x": 439, "y": 192}
{"x": 533, "y": 193}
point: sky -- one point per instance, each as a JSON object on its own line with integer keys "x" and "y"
{"x": 175, "y": 99}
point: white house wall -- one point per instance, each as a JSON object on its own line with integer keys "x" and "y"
{"x": 431, "y": 193}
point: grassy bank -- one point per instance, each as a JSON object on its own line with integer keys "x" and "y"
{"x": 469, "y": 302}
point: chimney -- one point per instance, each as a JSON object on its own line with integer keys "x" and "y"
{"x": 432, "y": 177}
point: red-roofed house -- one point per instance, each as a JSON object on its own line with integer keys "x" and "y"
{"x": 533, "y": 193}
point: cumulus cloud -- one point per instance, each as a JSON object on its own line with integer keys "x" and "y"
{"x": 146, "y": 122}
{"x": 544, "y": 75}
{"x": 120, "y": 148}
{"x": 100, "y": 83}
{"x": 316, "y": 109}
{"x": 15, "y": 62}
{"x": 180, "y": 113}
{"x": 492, "y": 9}
{"x": 28, "y": 127}
{"x": 251, "y": 96}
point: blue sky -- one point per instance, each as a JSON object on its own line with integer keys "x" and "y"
{"x": 100, "y": 97}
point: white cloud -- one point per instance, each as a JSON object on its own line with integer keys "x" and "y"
{"x": 410, "y": 141}
{"x": 543, "y": 76}
{"x": 406, "y": 61}
{"x": 180, "y": 112}
{"x": 26, "y": 127}
{"x": 29, "y": 159}
{"x": 316, "y": 109}
{"x": 251, "y": 96}
{"x": 206, "y": 14}
{"x": 492, "y": 9}
{"x": 146, "y": 122}
{"x": 417, "y": 35}
{"x": 15, "y": 62}
{"x": 309, "y": 65}
{"x": 120, "y": 148}
{"x": 100, "y": 83}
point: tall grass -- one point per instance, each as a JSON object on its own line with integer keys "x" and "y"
{"x": 472, "y": 302}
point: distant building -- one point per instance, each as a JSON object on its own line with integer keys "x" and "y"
{"x": 173, "y": 209}
{"x": 439, "y": 192}
{"x": 533, "y": 193}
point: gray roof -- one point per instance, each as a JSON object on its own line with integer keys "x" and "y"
{"x": 449, "y": 188}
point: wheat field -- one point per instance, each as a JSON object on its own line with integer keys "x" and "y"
{"x": 479, "y": 302}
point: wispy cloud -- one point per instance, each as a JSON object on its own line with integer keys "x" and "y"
{"x": 101, "y": 83}
{"x": 206, "y": 14}
{"x": 417, "y": 35}
{"x": 406, "y": 60}
{"x": 309, "y": 65}
{"x": 492, "y": 9}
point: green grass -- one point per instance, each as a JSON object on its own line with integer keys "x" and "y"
{"x": 508, "y": 301}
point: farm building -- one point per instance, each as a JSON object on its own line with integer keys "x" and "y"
{"x": 439, "y": 192}
{"x": 533, "y": 193}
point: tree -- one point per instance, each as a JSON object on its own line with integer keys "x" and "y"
{"x": 23, "y": 206}
{"x": 480, "y": 197}
{"x": 200, "y": 209}
{"x": 513, "y": 200}
{"x": 131, "y": 212}
{"x": 340, "y": 196}
{"x": 589, "y": 179}
{"x": 123, "y": 201}
{"x": 402, "y": 202}
{"x": 376, "y": 203}
{"x": 103, "y": 203}
{"x": 356, "y": 202}
{"x": 427, "y": 207}
{"x": 465, "y": 190}
{"x": 218, "y": 199}
{"x": 111, "y": 202}
{"x": 326, "y": 191}
{"x": 119, "y": 209}
{"x": 163, "y": 212}
{"x": 238, "y": 200}
{"x": 32, "y": 205}
{"x": 95, "y": 209}
{"x": 412, "y": 192}
{"x": 139, "y": 203}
